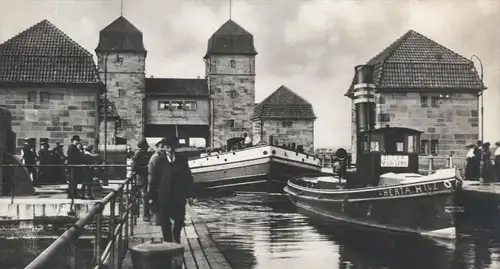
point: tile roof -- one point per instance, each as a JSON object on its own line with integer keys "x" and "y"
{"x": 177, "y": 86}
{"x": 44, "y": 54}
{"x": 231, "y": 38}
{"x": 121, "y": 35}
{"x": 285, "y": 104}
{"x": 414, "y": 61}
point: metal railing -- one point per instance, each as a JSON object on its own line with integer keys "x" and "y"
{"x": 120, "y": 227}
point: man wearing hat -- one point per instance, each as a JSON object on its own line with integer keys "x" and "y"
{"x": 44, "y": 155}
{"x": 170, "y": 185}
{"x": 29, "y": 158}
{"x": 74, "y": 157}
{"x": 58, "y": 158}
{"x": 140, "y": 160}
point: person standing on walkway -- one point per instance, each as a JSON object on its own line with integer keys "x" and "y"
{"x": 140, "y": 162}
{"x": 170, "y": 185}
{"x": 497, "y": 161}
{"x": 89, "y": 172}
{"x": 487, "y": 171}
{"x": 74, "y": 158}
{"x": 45, "y": 157}
{"x": 470, "y": 162}
{"x": 29, "y": 158}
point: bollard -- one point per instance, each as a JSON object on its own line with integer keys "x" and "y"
{"x": 157, "y": 255}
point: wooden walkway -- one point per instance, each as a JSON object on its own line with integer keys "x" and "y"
{"x": 200, "y": 251}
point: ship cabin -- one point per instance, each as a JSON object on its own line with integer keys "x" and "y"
{"x": 385, "y": 150}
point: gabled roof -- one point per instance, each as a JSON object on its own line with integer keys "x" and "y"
{"x": 177, "y": 87}
{"x": 284, "y": 104}
{"x": 415, "y": 62}
{"x": 44, "y": 54}
{"x": 122, "y": 36}
{"x": 231, "y": 39}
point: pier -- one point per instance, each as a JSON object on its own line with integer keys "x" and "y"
{"x": 113, "y": 226}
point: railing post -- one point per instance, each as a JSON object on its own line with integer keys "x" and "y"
{"x": 135, "y": 204}
{"x": 119, "y": 249}
{"x": 450, "y": 160}
{"x": 429, "y": 168}
{"x": 98, "y": 238}
{"x": 111, "y": 260}
{"x": 128, "y": 210}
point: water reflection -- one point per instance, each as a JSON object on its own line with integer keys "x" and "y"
{"x": 266, "y": 232}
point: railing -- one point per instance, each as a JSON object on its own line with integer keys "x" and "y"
{"x": 120, "y": 226}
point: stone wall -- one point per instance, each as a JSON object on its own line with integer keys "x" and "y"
{"x": 452, "y": 121}
{"x": 301, "y": 132}
{"x": 68, "y": 112}
{"x": 199, "y": 116}
{"x": 126, "y": 88}
{"x": 231, "y": 80}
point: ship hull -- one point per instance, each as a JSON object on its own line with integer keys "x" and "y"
{"x": 423, "y": 208}
{"x": 265, "y": 169}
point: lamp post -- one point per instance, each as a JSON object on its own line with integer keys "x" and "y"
{"x": 482, "y": 95}
{"x": 118, "y": 61}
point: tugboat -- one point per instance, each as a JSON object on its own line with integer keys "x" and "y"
{"x": 262, "y": 168}
{"x": 385, "y": 193}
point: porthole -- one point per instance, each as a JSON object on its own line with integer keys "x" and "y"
{"x": 265, "y": 152}
{"x": 273, "y": 152}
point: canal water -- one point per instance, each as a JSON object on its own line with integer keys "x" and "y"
{"x": 261, "y": 232}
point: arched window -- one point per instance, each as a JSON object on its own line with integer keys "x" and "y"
{"x": 233, "y": 63}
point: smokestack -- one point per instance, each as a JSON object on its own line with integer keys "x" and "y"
{"x": 364, "y": 98}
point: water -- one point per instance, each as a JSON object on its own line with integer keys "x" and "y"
{"x": 255, "y": 231}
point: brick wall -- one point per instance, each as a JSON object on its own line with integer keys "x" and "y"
{"x": 301, "y": 132}
{"x": 70, "y": 111}
{"x": 126, "y": 87}
{"x": 453, "y": 122}
{"x": 154, "y": 115}
{"x": 232, "y": 88}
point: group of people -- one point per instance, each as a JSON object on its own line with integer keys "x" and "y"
{"x": 51, "y": 170}
{"x": 166, "y": 183}
{"x": 480, "y": 164}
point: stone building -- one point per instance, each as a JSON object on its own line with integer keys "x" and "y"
{"x": 51, "y": 86}
{"x": 422, "y": 85}
{"x": 286, "y": 116}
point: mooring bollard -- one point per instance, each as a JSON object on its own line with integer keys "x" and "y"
{"x": 157, "y": 255}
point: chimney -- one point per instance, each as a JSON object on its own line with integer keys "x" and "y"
{"x": 364, "y": 98}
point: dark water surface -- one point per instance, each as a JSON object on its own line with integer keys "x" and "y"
{"x": 259, "y": 231}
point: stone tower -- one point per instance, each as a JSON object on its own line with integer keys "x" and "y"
{"x": 230, "y": 72}
{"x": 121, "y": 62}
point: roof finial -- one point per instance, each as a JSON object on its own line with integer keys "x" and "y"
{"x": 230, "y": 9}
{"x": 121, "y": 7}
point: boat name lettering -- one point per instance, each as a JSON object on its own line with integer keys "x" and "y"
{"x": 415, "y": 189}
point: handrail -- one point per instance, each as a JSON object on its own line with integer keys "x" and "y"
{"x": 73, "y": 233}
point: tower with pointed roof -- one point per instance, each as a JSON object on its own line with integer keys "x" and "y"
{"x": 230, "y": 72}
{"x": 121, "y": 62}
{"x": 423, "y": 85}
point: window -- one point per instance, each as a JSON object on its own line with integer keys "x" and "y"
{"x": 190, "y": 105}
{"x": 423, "y": 147}
{"x": 423, "y": 100}
{"x": 411, "y": 144}
{"x": 177, "y": 105}
{"x": 229, "y": 123}
{"x": 400, "y": 147}
{"x": 287, "y": 124}
{"x": 32, "y": 96}
{"x": 122, "y": 93}
{"x": 233, "y": 64}
{"x": 384, "y": 117}
{"x": 435, "y": 101}
{"x": 163, "y": 105}
{"x": 233, "y": 94}
{"x": 44, "y": 97}
{"x": 434, "y": 147}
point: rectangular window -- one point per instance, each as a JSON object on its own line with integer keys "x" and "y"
{"x": 434, "y": 147}
{"x": 122, "y": 93}
{"x": 32, "y": 96}
{"x": 44, "y": 97}
{"x": 229, "y": 123}
{"x": 190, "y": 105}
{"x": 233, "y": 94}
{"x": 423, "y": 146}
{"x": 411, "y": 144}
{"x": 287, "y": 124}
{"x": 177, "y": 105}
{"x": 423, "y": 100}
{"x": 163, "y": 105}
{"x": 435, "y": 101}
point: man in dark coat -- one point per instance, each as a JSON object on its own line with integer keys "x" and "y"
{"x": 476, "y": 161}
{"x": 29, "y": 158}
{"x": 58, "y": 158}
{"x": 89, "y": 172}
{"x": 74, "y": 157}
{"x": 45, "y": 157}
{"x": 170, "y": 185}
{"x": 140, "y": 162}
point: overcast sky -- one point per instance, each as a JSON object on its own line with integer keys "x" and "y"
{"x": 309, "y": 46}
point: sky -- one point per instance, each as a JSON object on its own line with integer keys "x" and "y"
{"x": 309, "y": 46}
